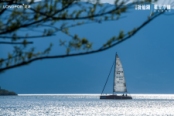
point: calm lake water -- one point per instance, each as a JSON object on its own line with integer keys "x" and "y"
{"x": 87, "y": 105}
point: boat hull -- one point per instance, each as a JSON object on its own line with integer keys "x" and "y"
{"x": 115, "y": 97}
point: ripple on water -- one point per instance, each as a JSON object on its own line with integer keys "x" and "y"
{"x": 68, "y": 105}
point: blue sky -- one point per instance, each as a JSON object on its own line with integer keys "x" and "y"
{"x": 147, "y": 58}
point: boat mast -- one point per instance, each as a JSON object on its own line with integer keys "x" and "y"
{"x": 114, "y": 73}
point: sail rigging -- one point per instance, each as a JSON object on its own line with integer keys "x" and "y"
{"x": 119, "y": 79}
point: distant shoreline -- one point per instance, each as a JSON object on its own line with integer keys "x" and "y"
{"x": 4, "y": 92}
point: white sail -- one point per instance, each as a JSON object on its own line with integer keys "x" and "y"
{"x": 119, "y": 80}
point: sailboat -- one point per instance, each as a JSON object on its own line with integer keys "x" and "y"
{"x": 119, "y": 84}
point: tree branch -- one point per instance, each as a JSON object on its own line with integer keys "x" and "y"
{"x": 70, "y": 26}
{"x": 84, "y": 53}
{"x": 35, "y": 22}
{"x": 24, "y": 37}
{"x": 2, "y": 42}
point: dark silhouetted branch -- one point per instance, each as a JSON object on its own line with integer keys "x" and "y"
{"x": 84, "y": 53}
{"x": 2, "y": 42}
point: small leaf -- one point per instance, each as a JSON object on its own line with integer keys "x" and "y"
{"x": 121, "y": 35}
{"x": 9, "y": 56}
{"x": 30, "y": 54}
{"x": 25, "y": 42}
{"x": 84, "y": 41}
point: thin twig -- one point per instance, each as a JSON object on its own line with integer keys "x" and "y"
{"x": 2, "y": 42}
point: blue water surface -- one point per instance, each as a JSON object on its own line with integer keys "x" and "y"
{"x": 86, "y": 105}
